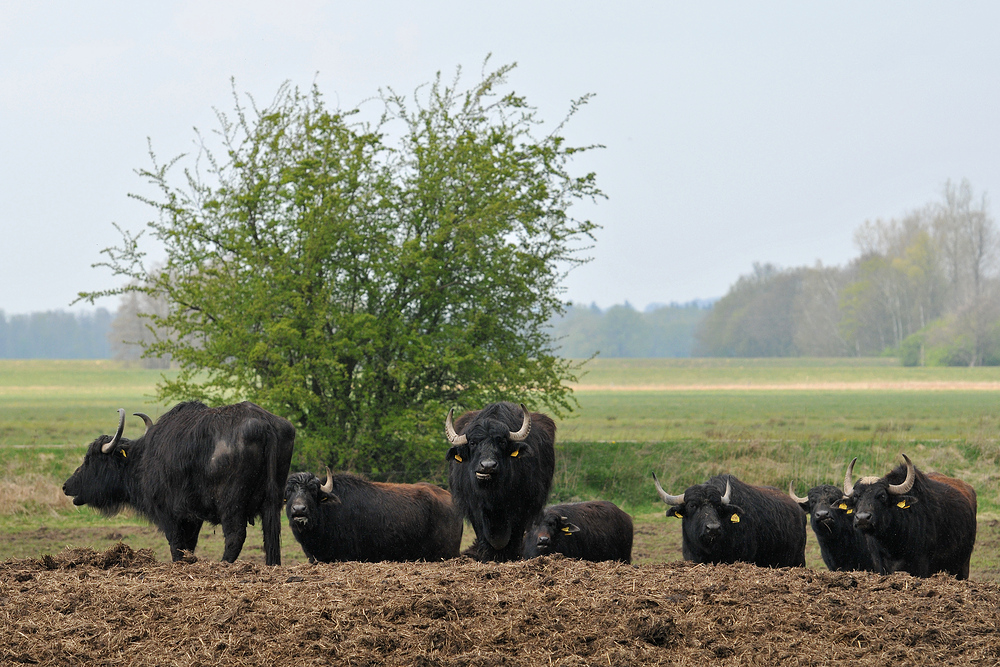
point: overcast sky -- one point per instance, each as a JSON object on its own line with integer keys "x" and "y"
{"x": 735, "y": 132}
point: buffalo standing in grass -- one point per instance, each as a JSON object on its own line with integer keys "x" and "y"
{"x": 500, "y": 471}
{"x": 596, "y": 530}
{"x": 842, "y": 546}
{"x": 727, "y": 521}
{"x": 350, "y": 518}
{"x": 224, "y": 465}
{"x": 914, "y": 522}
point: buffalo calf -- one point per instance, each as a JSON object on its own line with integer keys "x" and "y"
{"x": 595, "y": 530}
{"x": 350, "y": 518}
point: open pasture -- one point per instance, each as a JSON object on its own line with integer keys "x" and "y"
{"x": 683, "y": 419}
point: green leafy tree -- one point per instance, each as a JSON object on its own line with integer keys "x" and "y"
{"x": 360, "y": 278}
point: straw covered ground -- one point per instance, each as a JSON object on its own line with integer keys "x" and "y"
{"x": 123, "y": 607}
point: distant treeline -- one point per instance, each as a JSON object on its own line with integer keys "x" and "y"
{"x": 622, "y": 331}
{"x": 925, "y": 288}
{"x": 55, "y": 335}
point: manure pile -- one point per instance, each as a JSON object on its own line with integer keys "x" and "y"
{"x": 122, "y": 607}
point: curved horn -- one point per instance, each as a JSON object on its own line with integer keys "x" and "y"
{"x": 848, "y": 483}
{"x": 794, "y": 497}
{"x": 911, "y": 477}
{"x": 328, "y": 487}
{"x": 725, "y": 496}
{"x": 666, "y": 497}
{"x": 449, "y": 431}
{"x": 145, "y": 418}
{"x": 518, "y": 436}
{"x": 108, "y": 446}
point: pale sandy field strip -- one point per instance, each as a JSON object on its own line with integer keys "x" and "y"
{"x": 798, "y": 386}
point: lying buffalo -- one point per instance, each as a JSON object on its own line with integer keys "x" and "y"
{"x": 223, "y": 465}
{"x": 501, "y": 463}
{"x": 350, "y": 518}
{"x": 725, "y": 521}
{"x": 915, "y": 522}
{"x": 595, "y": 530}
{"x": 842, "y": 546}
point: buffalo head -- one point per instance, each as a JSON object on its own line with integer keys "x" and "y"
{"x": 873, "y": 499}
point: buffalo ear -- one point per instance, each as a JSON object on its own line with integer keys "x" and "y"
{"x": 904, "y": 502}
{"x": 806, "y": 507}
{"x": 454, "y": 454}
{"x": 675, "y": 510}
{"x": 331, "y": 498}
{"x": 569, "y": 527}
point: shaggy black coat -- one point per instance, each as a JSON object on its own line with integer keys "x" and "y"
{"x": 933, "y": 531}
{"x": 760, "y": 525}
{"x": 501, "y": 507}
{"x": 842, "y": 546}
{"x": 371, "y": 521}
{"x": 596, "y": 530}
{"x": 224, "y": 465}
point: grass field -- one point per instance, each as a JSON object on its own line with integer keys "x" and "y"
{"x": 767, "y": 421}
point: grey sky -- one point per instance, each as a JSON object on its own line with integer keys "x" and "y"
{"x": 735, "y": 132}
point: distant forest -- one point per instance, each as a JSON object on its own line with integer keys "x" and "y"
{"x": 55, "y": 335}
{"x": 925, "y": 288}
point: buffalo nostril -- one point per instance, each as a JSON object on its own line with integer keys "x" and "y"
{"x": 822, "y": 514}
{"x": 713, "y": 527}
{"x": 487, "y": 465}
{"x": 298, "y": 509}
{"x": 543, "y": 539}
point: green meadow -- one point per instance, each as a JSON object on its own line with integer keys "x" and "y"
{"x": 766, "y": 421}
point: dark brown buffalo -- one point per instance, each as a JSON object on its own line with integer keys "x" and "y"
{"x": 914, "y": 522}
{"x": 224, "y": 465}
{"x": 726, "y": 521}
{"x": 350, "y": 518}
{"x": 501, "y": 463}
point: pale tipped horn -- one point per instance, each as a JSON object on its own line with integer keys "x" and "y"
{"x": 725, "y": 496}
{"x": 518, "y": 436}
{"x": 666, "y": 497}
{"x": 849, "y": 479}
{"x": 449, "y": 431}
{"x": 328, "y": 486}
{"x": 791, "y": 494}
{"x": 108, "y": 446}
{"x": 911, "y": 477}
{"x": 145, "y": 418}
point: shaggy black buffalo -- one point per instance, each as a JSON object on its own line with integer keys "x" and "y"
{"x": 501, "y": 464}
{"x": 350, "y": 518}
{"x": 595, "y": 530}
{"x": 224, "y": 465}
{"x": 725, "y": 521}
{"x": 842, "y": 546}
{"x": 915, "y": 522}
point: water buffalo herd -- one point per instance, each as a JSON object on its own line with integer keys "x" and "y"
{"x": 229, "y": 466}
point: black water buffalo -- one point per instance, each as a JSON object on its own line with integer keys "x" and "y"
{"x": 501, "y": 464}
{"x": 915, "y": 522}
{"x": 842, "y": 546}
{"x": 725, "y": 521}
{"x": 350, "y": 518}
{"x": 224, "y": 465}
{"x": 595, "y": 530}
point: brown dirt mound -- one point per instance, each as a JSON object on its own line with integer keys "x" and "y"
{"x": 121, "y": 607}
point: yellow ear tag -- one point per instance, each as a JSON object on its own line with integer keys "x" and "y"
{"x": 458, "y": 458}
{"x": 735, "y": 518}
{"x": 515, "y": 453}
{"x": 842, "y": 506}
{"x": 678, "y": 515}
{"x": 850, "y": 511}
{"x": 902, "y": 505}
{"x": 566, "y": 530}
{"x": 123, "y": 454}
